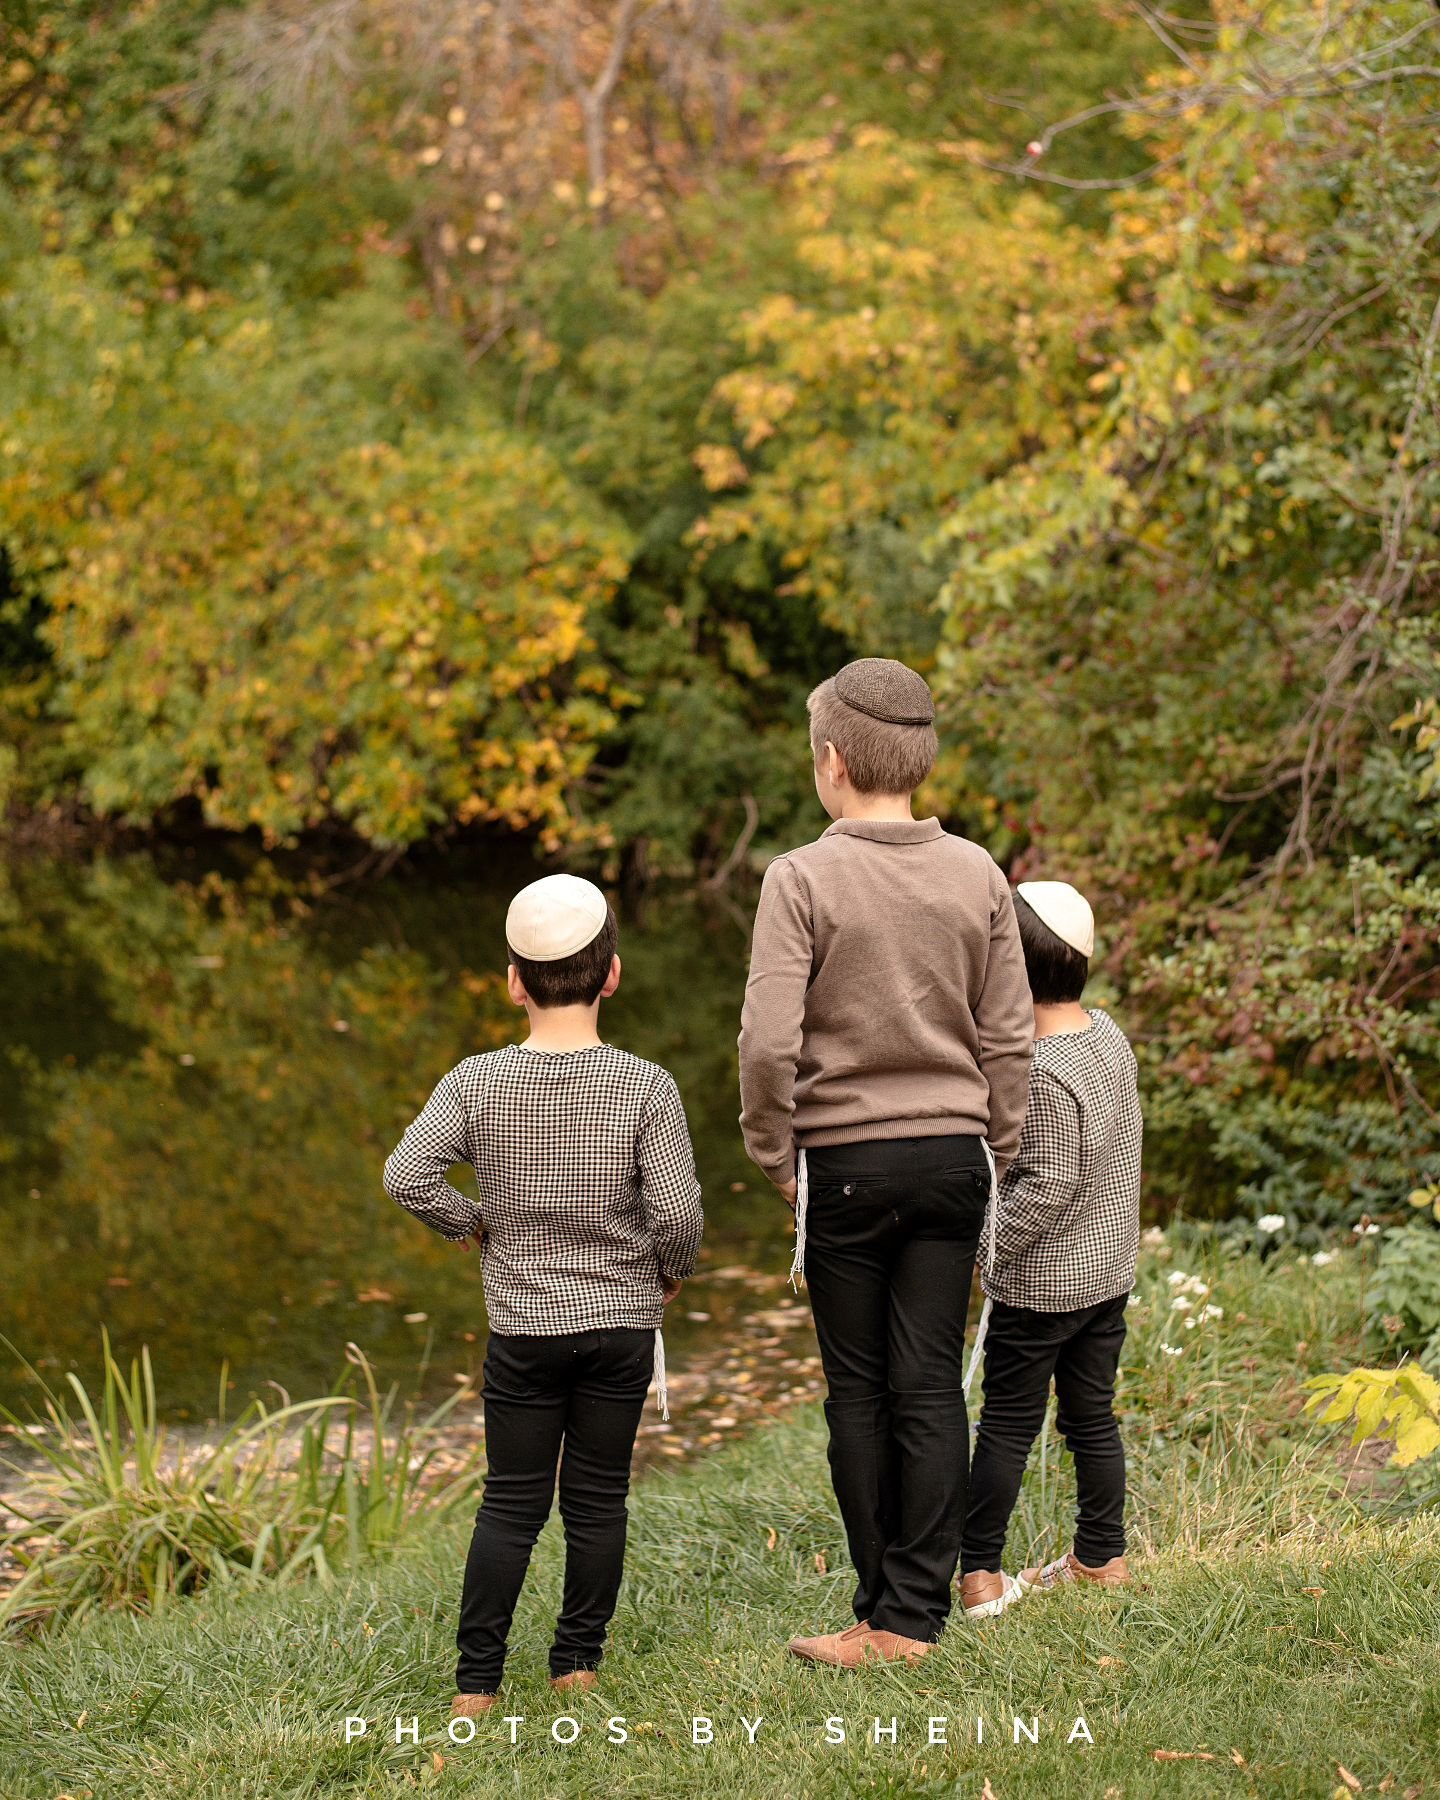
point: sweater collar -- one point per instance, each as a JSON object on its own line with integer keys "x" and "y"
{"x": 888, "y": 831}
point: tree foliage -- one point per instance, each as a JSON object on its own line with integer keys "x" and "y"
{"x": 504, "y": 414}
{"x": 1220, "y": 605}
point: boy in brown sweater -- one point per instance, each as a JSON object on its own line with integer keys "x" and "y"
{"x": 884, "y": 1054}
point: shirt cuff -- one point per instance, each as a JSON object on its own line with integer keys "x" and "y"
{"x": 779, "y": 1172}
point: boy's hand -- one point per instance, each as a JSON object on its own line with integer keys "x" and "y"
{"x": 670, "y": 1286}
{"x": 787, "y": 1192}
{"x": 478, "y": 1240}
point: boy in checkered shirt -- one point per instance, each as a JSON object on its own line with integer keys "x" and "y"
{"x": 589, "y": 1219}
{"x": 1061, "y": 1260}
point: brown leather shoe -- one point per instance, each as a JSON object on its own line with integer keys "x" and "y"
{"x": 986, "y": 1593}
{"x": 582, "y": 1679}
{"x": 1115, "y": 1573}
{"x": 841, "y": 1649}
{"x": 890, "y": 1646}
{"x": 848, "y": 1649}
{"x": 470, "y": 1706}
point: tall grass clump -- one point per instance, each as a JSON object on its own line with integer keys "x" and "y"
{"x": 118, "y": 1512}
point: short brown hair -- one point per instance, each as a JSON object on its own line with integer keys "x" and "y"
{"x": 571, "y": 980}
{"x": 881, "y": 758}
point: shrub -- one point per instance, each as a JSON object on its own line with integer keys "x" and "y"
{"x": 1405, "y": 1300}
{"x": 120, "y": 1514}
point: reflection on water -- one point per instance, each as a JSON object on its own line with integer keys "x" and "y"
{"x": 201, "y": 1073}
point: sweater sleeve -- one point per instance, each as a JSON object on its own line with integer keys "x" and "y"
{"x": 1005, "y": 1021}
{"x": 669, "y": 1190}
{"x": 416, "y": 1175}
{"x": 772, "y": 1020}
{"x": 1043, "y": 1182}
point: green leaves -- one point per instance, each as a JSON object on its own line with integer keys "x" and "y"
{"x": 1405, "y": 1297}
{"x": 1174, "y": 646}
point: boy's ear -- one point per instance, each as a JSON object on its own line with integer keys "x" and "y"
{"x": 514, "y": 986}
{"x": 612, "y": 980}
{"x": 835, "y": 769}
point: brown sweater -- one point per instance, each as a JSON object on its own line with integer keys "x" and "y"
{"x": 887, "y": 995}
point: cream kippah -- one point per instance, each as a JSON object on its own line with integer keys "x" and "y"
{"x": 886, "y": 690}
{"x": 1064, "y": 909}
{"x": 555, "y": 917}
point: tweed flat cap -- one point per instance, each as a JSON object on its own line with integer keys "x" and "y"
{"x": 886, "y": 690}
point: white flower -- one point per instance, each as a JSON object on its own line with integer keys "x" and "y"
{"x": 1212, "y": 1312}
{"x": 1180, "y": 1304}
{"x": 1173, "y": 1349}
{"x": 1134, "y": 1300}
{"x": 1271, "y": 1222}
{"x": 1176, "y": 1276}
{"x": 1190, "y": 1324}
{"x": 1367, "y": 1230}
{"x": 1151, "y": 1238}
{"x": 1322, "y": 1257}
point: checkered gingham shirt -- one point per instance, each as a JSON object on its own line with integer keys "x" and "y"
{"x": 586, "y": 1180}
{"x": 1067, "y": 1225}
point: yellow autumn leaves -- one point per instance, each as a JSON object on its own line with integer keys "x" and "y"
{"x": 1398, "y": 1406}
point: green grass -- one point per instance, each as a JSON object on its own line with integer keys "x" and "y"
{"x": 117, "y": 1513}
{"x": 1277, "y": 1619}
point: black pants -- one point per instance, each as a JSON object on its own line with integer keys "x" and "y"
{"x": 575, "y": 1400}
{"x": 892, "y": 1234}
{"x": 1022, "y": 1351}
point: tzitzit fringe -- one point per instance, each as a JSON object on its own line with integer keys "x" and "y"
{"x": 988, "y": 1233}
{"x": 802, "y": 1207}
{"x": 662, "y": 1388}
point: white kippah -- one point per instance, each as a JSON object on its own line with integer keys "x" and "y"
{"x": 1064, "y": 909}
{"x": 554, "y": 917}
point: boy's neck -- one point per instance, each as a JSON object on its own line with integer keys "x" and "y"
{"x": 559, "y": 1028}
{"x": 875, "y": 806}
{"x": 1062, "y": 1020}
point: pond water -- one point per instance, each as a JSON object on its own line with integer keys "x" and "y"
{"x": 204, "y": 1060}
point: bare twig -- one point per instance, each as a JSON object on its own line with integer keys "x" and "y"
{"x": 741, "y": 845}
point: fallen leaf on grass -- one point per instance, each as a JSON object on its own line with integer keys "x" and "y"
{"x": 1111, "y": 1662}
{"x": 987, "y": 1792}
{"x": 1183, "y": 1756}
{"x": 821, "y": 1566}
{"x": 437, "y": 1762}
{"x": 374, "y": 1294}
{"x": 772, "y": 1538}
{"x": 1351, "y": 1781}
{"x": 1237, "y": 1759}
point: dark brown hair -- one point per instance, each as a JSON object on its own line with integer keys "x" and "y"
{"x": 1057, "y": 973}
{"x": 572, "y": 980}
